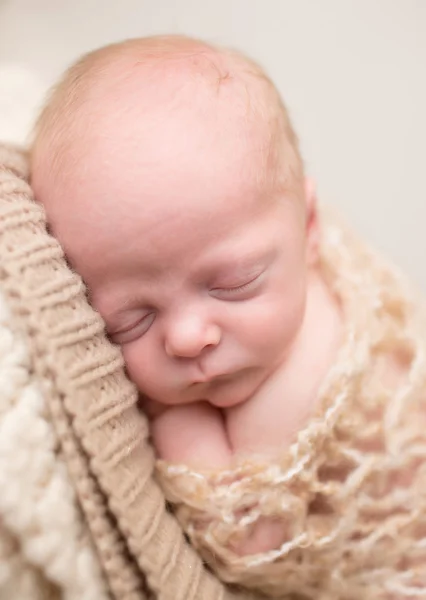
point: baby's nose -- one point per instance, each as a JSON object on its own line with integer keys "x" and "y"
{"x": 188, "y": 337}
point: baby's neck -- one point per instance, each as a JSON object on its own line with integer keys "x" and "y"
{"x": 284, "y": 403}
{"x": 318, "y": 342}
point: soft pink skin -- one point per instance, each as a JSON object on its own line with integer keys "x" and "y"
{"x": 162, "y": 216}
{"x": 201, "y": 329}
{"x": 166, "y": 217}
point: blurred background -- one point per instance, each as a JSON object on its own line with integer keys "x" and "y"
{"x": 352, "y": 72}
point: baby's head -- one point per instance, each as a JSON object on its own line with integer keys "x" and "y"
{"x": 170, "y": 173}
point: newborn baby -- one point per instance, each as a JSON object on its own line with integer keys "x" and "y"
{"x": 171, "y": 175}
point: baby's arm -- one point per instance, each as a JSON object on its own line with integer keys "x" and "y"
{"x": 195, "y": 435}
{"x": 192, "y": 434}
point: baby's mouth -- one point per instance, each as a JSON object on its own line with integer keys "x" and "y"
{"x": 216, "y": 380}
{"x": 221, "y": 379}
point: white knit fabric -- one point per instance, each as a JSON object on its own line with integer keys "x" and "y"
{"x": 42, "y": 534}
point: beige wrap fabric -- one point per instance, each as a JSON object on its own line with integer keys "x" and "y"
{"x": 81, "y": 515}
{"x": 350, "y": 492}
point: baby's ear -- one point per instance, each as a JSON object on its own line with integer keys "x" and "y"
{"x": 312, "y": 225}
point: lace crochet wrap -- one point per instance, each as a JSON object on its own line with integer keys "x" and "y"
{"x": 350, "y": 492}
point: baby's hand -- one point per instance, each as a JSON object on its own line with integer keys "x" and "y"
{"x": 196, "y": 435}
{"x": 190, "y": 434}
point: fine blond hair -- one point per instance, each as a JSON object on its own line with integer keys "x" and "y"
{"x": 57, "y": 124}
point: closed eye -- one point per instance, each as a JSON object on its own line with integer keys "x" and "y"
{"x": 238, "y": 292}
{"x": 134, "y": 331}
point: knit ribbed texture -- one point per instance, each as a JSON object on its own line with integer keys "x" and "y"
{"x": 92, "y": 406}
{"x": 350, "y": 491}
{"x": 44, "y": 548}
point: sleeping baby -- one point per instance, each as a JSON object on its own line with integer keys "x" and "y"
{"x": 279, "y": 359}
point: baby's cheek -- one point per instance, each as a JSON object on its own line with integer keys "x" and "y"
{"x": 275, "y": 324}
{"x": 151, "y": 373}
{"x": 141, "y": 367}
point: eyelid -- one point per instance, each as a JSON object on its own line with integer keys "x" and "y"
{"x": 238, "y": 289}
{"x": 133, "y": 331}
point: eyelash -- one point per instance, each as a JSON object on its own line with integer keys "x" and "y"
{"x": 225, "y": 291}
{"x": 130, "y": 330}
{"x": 237, "y": 289}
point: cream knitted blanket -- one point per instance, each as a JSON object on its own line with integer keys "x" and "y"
{"x": 350, "y": 492}
{"x": 81, "y": 516}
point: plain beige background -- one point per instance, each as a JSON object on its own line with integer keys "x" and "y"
{"x": 353, "y": 73}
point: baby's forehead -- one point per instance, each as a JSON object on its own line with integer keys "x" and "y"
{"x": 194, "y": 131}
{"x": 197, "y": 89}
{"x": 200, "y": 111}
{"x": 206, "y": 82}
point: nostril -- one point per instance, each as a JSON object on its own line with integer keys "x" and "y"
{"x": 183, "y": 348}
{"x": 191, "y": 340}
